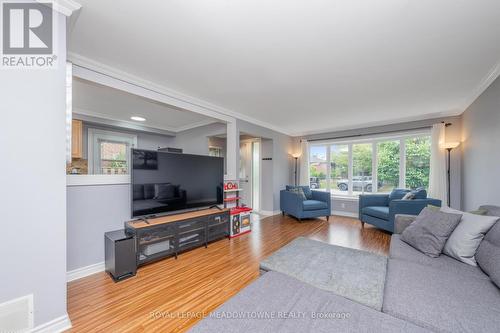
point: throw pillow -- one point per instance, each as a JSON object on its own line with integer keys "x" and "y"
{"x": 430, "y": 231}
{"x": 409, "y": 196}
{"x": 299, "y": 191}
{"x": 465, "y": 239}
{"x": 307, "y": 192}
{"x": 488, "y": 253}
{"x": 420, "y": 193}
{"x": 305, "y": 189}
{"x": 397, "y": 194}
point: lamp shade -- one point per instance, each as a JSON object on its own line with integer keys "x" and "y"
{"x": 450, "y": 145}
{"x": 296, "y": 155}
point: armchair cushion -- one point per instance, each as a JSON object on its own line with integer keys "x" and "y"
{"x": 381, "y": 212}
{"x": 314, "y": 205}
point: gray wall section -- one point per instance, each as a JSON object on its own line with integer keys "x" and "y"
{"x": 92, "y": 211}
{"x": 195, "y": 141}
{"x": 453, "y": 133}
{"x": 33, "y": 177}
{"x": 480, "y": 150}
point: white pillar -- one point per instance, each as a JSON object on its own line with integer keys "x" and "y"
{"x": 33, "y": 174}
{"x": 233, "y": 150}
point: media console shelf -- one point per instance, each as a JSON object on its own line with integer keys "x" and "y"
{"x": 160, "y": 237}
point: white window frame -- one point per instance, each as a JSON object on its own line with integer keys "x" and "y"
{"x": 374, "y": 140}
{"x": 95, "y": 136}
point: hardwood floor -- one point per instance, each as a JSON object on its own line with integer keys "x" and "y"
{"x": 178, "y": 292}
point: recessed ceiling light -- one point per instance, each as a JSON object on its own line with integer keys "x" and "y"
{"x": 138, "y": 118}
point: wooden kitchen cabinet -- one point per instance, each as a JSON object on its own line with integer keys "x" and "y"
{"x": 77, "y": 139}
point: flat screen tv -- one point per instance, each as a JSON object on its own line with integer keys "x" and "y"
{"x": 165, "y": 183}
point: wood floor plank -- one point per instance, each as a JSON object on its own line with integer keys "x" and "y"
{"x": 180, "y": 291}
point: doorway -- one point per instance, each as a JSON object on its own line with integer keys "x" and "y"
{"x": 250, "y": 173}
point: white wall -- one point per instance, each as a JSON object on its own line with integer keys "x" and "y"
{"x": 481, "y": 152}
{"x": 33, "y": 196}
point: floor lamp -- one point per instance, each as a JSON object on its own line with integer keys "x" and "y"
{"x": 449, "y": 146}
{"x": 296, "y": 157}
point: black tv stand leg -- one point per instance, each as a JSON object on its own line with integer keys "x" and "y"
{"x": 215, "y": 206}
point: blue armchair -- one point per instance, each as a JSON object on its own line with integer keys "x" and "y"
{"x": 318, "y": 205}
{"x": 380, "y": 209}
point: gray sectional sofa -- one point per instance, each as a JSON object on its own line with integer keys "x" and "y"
{"x": 421, "y": 294}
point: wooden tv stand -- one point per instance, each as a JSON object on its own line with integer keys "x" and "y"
{"x": 161, "y": 237}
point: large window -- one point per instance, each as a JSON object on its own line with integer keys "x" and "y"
{"x": 318, "y": 167}
{"x": 376, "y": 165}
{"x": 417, "y": 154}
{"x": 339, "y": 165}
{"x": 388, "y": 166}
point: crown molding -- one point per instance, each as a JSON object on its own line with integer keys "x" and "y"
{"x": 195, "y": 125}
{"x": 430, "y": 116}
{"x": 100, "y": 118}
{"x": 103, "y": 119}
{"x": 175, "y": 98}
{"x": 65, "y": 7}
{"x": 487, "y": 80}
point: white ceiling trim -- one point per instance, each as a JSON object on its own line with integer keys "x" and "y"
{"x": 175, "y": 98}
{"x": 195, "y": 125}
{"x": 144, "y": 128}
{"x": 437, "y": 115}
{"x": 487, "y": 80}
{"x": 65, "y": 7}
{"x": 107, "y": 117}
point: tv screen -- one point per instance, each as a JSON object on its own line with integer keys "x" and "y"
{"x": 170, "y": 182}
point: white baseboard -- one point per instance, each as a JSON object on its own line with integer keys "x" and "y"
{"x": 269, "y": 212}
{"x": 84, "y": 271}
{"x": 346, "y": 214}
{"x": 57, "y": 325}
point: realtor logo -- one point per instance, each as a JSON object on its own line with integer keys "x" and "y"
{"x": 27, "y": 34}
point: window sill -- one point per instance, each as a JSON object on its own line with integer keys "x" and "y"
{"x": 345, "y": 197}
{"x": 93, "y": 180}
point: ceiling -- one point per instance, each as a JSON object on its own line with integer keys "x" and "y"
{"x": 302, "y": 66}
{"x": 100, "y": 101}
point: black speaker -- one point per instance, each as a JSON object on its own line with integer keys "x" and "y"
{"x": 120, "y": 254}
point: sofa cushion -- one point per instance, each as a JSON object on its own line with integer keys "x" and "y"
{"x": 400, "y": 250}
{"x": 138, "y": 192}
{"x": 314, "y": 205}
{"x": 274, "y": 294}
{"x": 488, "y": 254}
{"x": 397, "y": 193}
{"x": 440, "y": 300}
{"x": 430, "y": 231}
{"x": 164, "y": 191}
{"x": 149, "y": 191}
{"x": 377, "y": 211}
{"x": 491, "y": 210}
{"x": 465, "y": 239}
